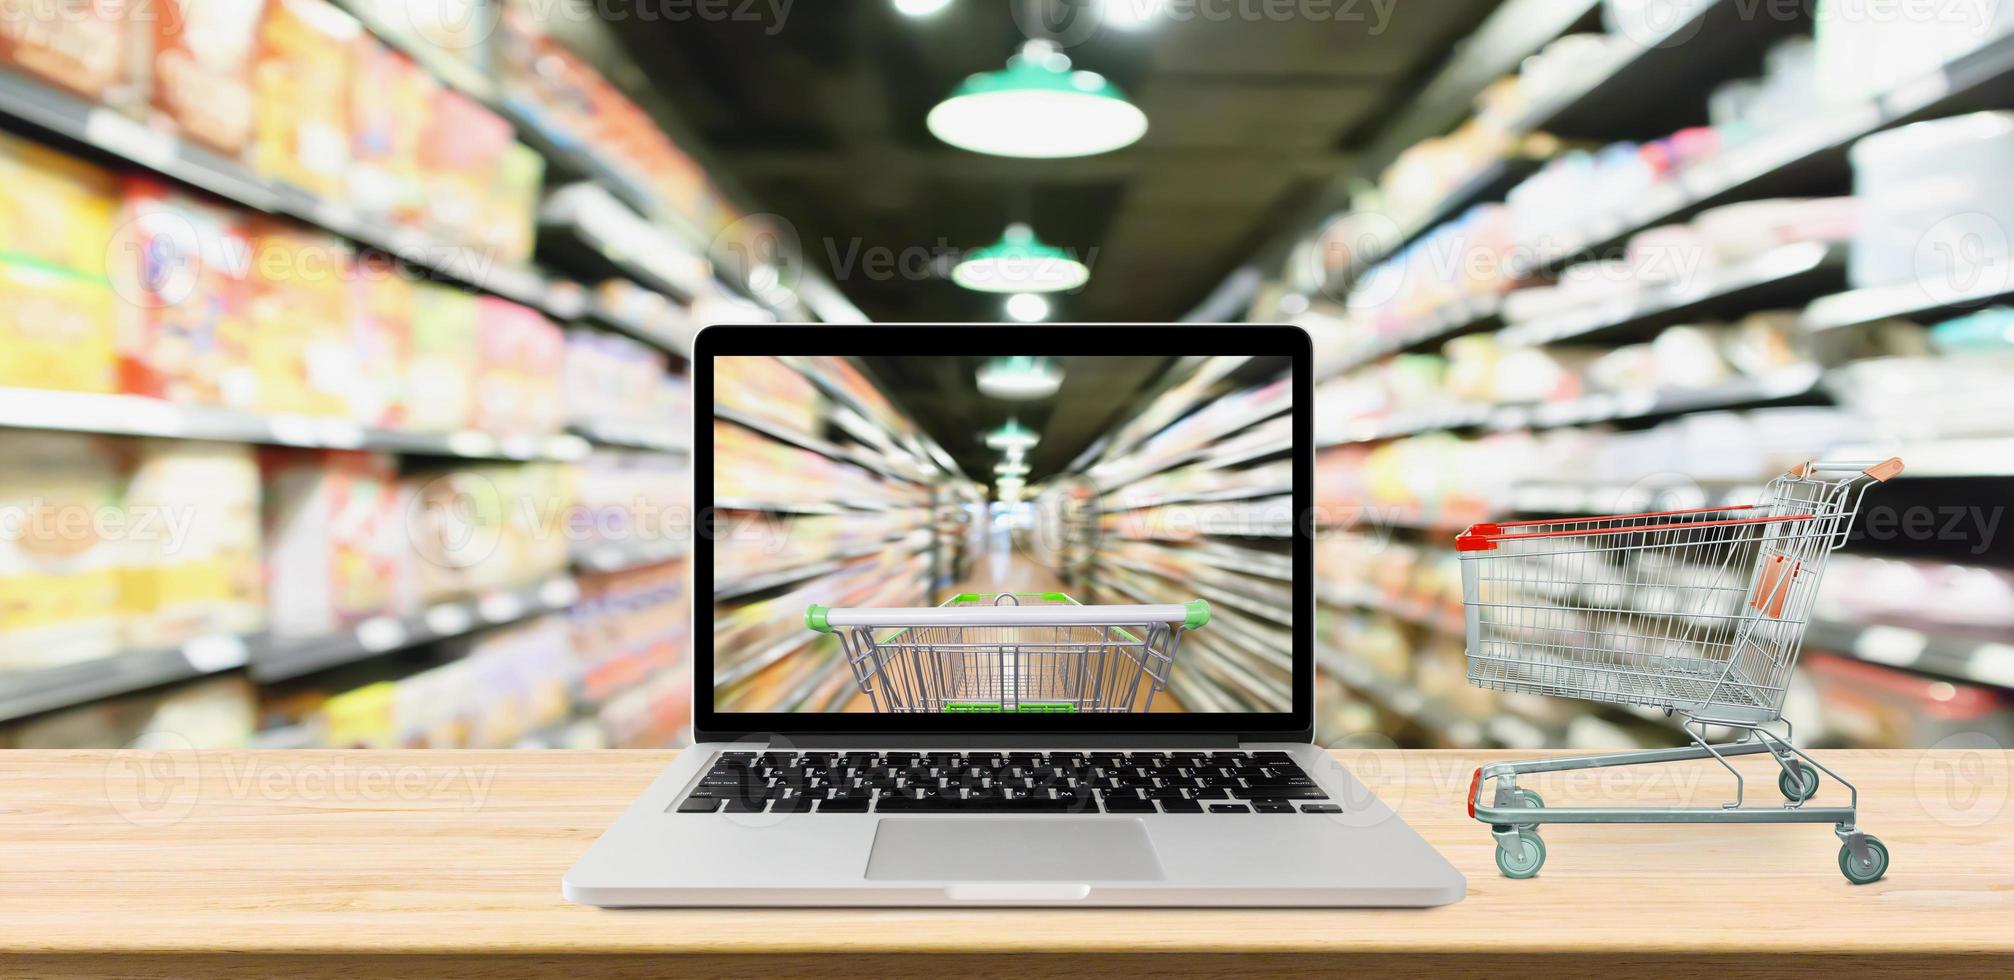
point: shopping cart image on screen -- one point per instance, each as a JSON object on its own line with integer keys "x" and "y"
{"x": 1030, "y": 653}
{"x": 1699, "y": 613}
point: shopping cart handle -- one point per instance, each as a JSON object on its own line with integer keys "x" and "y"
{"x": 1879, "y": 471}
{"x": 825, "y": 619}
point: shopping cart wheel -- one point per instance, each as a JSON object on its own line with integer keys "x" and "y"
{"x": 1524, "y": 859}
{"x": 1858, "y": 872}
{"x": 1530, "y": 800}
{"x": 1798, "y": 782}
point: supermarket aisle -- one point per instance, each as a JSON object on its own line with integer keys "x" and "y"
{"x": 1113, "y": 484}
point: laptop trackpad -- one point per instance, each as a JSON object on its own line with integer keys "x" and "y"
{"x": 1012, "y": 849}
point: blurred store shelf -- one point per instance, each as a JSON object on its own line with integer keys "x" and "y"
{"x": 274, "y": 659}
{"x": 132, "y": 415}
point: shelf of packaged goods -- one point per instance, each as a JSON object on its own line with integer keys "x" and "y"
{"x": 28, "y": 692}
{"x": 1923, "y": 301}
{"x": 279, "y": 658}
{"x": 1681, "y": 493}
{"x": 1219, "y": 449}
{"x": 1416, "y": 610}
{"x": 624, "y": 556}
{"x": 804, "y": 440}
{"x": 1633, "y": 98}
{"x": 586, "y": 229}
{"x": 132, "y": 415}
{"x": 1941, "y": 652}
{"x": 1794, "y": 157}
{"x": 1245, "y": 602}
{"x": 765, "y": 580}
{"x": 1400, "y": 699}
{"x": 1786, "y": 276}
{"x": 1981, "y": 457}
{"x": 1794, "y": 384}
{"x": 666, "y": 334}
{"x": 1458, "y": 318}
{"x": 1201, "y": 496}
{"x": 623, "y": 434}
{"x": 109, "y": 132}
{"x": 1488, "y": 182}
{"x": 1620, "y": 103}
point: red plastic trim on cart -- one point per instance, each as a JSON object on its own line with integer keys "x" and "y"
{"x": 1485, "y": 537}
{"x": 1474, "y": 785}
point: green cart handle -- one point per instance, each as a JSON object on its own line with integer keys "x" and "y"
{"x": 1196, "y": 612}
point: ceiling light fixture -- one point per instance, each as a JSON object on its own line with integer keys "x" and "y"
{"x": 1020, "y": 378}
{"x": 1037, "y": 108}
{"x": 1011, "y": 469}
{"x": 920, "y": 8}
{"x": 1013, "y": 435}
{"x": 1020, "y": 263}
{"x": 1027, "y": 307}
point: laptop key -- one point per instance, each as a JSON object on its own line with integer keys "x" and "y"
{"x": 743, "y": 805}
{"x": 1321, "y": 808}
{"x": 1181, "y": 806}
{"x": 699, "y": 804}
{"x": 1280, "y": 793}
{"x": 844, "y": 806}
{"x": 1264, "y": 806}
{"x": 1229, "y": 808}
{"x": 795, "y": 804}
{"x": 1128, "y": 804}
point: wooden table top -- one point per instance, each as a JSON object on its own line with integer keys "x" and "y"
{"x": 340, "y": 863}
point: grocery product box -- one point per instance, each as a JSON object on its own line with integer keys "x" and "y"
{"x": 457, "y": 521}
{"x": 299, "y": 310}
{"x": 336, "y": 544}
{"x": 381, "y": 329}
{"x": 184, "y": 328}
{"x": 55, "y": 208}
{"x": 520, "y": 368}
{"x": 200, "y": 69}
{"x": 460, "y": 157}
{"x": 190, "y": 556}
{"x": 84, "y": 47}
{"x": 56, "y": 328}
{"x": 509, "y": 218}
{"x": 301, "y": 83}
{"x": 390, "y": 104}
{"x": 441, "y": 372}
{"x": 59, "y": 582}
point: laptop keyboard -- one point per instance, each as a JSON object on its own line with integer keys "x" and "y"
{"x": 1006, "y": 782}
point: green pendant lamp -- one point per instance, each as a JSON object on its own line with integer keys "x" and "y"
{"x": 1037, "y": 108}
{"x": 1020, "y": 263}
{"x": 1013, "y": 435}
{"x": 1020, "y": 379}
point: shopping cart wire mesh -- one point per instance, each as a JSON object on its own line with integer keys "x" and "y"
{"x": 1011, "y": 652}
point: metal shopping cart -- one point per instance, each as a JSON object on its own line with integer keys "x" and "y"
{"x": 1697, "y": 612}
{"x": 1026, "y": 652}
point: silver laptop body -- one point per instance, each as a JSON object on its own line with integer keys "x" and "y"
{"x": 1280, "y": 822}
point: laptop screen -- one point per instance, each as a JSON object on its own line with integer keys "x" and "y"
{"x": 1009, "y": 535}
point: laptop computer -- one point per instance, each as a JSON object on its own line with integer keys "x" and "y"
{"x": 1005, "y": 616}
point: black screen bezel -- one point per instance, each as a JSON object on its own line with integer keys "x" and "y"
{"x": 1295, "y": 725}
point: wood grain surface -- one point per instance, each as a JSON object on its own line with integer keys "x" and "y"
{"x": 448, "y": 863}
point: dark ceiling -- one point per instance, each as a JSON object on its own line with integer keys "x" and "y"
{"x": 942, "y": 395}
{"x": 819, "y": 118}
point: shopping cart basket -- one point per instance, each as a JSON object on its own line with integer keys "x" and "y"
{"x": 1027, "y": 652}
{"x": 1697, "y": 612}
